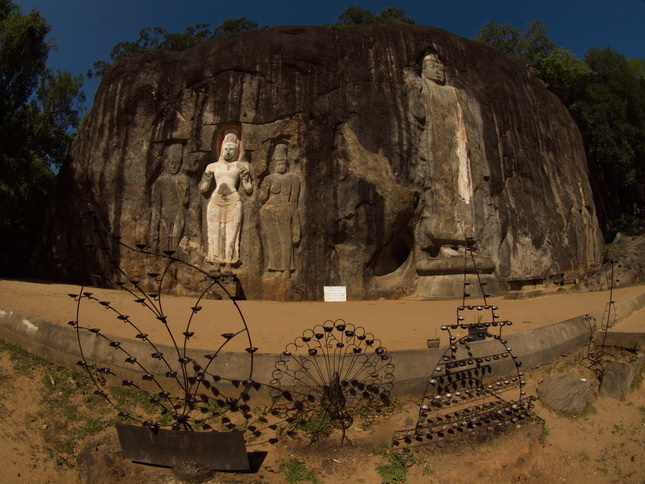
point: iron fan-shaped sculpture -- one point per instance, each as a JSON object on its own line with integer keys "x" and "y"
{"x": 335, "y": 371}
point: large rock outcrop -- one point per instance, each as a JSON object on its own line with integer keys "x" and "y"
{"x": 362, "y": 156}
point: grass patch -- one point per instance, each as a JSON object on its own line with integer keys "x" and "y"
{"x": 366, "y": 425}
{"x": 392, "y": 472}
{"x": 589, "y": 410}
{"x": 22, "y": 360}
{"x": 637, "y": 383}
{"x": 70, "y": 410}
{"x": 295, "y": 470}
{"x": 4, "y": 377}
{"x": 133, "y": 398}
{"x": 546, "y": 430}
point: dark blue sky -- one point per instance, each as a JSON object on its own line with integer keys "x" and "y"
{"x": 86, "y": 30}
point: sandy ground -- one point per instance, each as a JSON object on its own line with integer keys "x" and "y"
{"x": 606, "y": 445}
{"x": 399, "y": 324}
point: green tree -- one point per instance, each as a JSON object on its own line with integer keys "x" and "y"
{"x": 637, "y": 66}
{"x": 235, "y": 25}
{"x": 558, "y": 67}
{"x": 504, "y": 38}
{"x": 611, "y": 114}
{"x": 360, "y": 16}
{"x": 39, "y": 111}
{"x": 392, "y": 15}
{"x": 528, "y": 47}
{"x": 356, "y": 15}
{"x": 157, "y": 38}
{"x": 563, "y": 74}
{"x": 605, "y": 94}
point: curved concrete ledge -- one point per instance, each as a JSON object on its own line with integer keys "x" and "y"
{"x": 631, "y": 333}
{"x": 59, "y": 344}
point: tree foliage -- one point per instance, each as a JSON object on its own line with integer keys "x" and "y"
{"x": 611, "y": 114}
{"x": 360, "y": 16}
{"x": 605, "y": 94}
{"x": 528, "y": 47}
{"x": 157, "y": 38}
{"x": 39, "y": 110}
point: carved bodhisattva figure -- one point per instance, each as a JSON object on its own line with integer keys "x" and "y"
{"x": 279, "y": 193}
{"x": 224, "y": 211}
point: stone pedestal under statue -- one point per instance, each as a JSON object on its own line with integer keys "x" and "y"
{"x": 444, "y": 278}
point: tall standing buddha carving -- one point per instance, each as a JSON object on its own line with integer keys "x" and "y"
{"x": 443, "y": 171}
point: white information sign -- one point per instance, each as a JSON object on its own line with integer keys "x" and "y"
{"x": 335, "y": 293}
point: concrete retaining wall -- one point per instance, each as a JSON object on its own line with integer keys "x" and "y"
{"x": 59, "y": 344}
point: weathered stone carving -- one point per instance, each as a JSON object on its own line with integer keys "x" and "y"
{"x": 224, "y": 211}
{"x": 170, "y": 201}
{"x": 444, "y": 172}
{"x": 472, "y": 145}
{"x": 279, "y": 217}
{"x": 433, "y": 69}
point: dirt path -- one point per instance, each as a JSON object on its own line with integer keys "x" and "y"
{"x": 399, "y": 324}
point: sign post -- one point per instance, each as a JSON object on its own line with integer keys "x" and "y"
{"x": 335, "y": 293}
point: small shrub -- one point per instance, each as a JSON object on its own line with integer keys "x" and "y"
{"x": 318, "y": 425}
{"x": 394, "y": 470}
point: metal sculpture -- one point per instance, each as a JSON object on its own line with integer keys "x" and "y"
{"x": 595, "y": 358}
{"x": 332, "y": 373}
{"x": 462, "y": 397}
{"x": 186, "y": 389}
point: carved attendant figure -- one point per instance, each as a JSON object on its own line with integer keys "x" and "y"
{"x": 170, "y": 200}
{"x": 224, "y": 211}
{"x": 279, "y": 215}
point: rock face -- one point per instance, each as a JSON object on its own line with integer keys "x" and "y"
{"x": 363, "y": 157}
{"x": 629, "y": 268}
{"x": 617, "y": 377}
{"x": 565, "y": 393}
